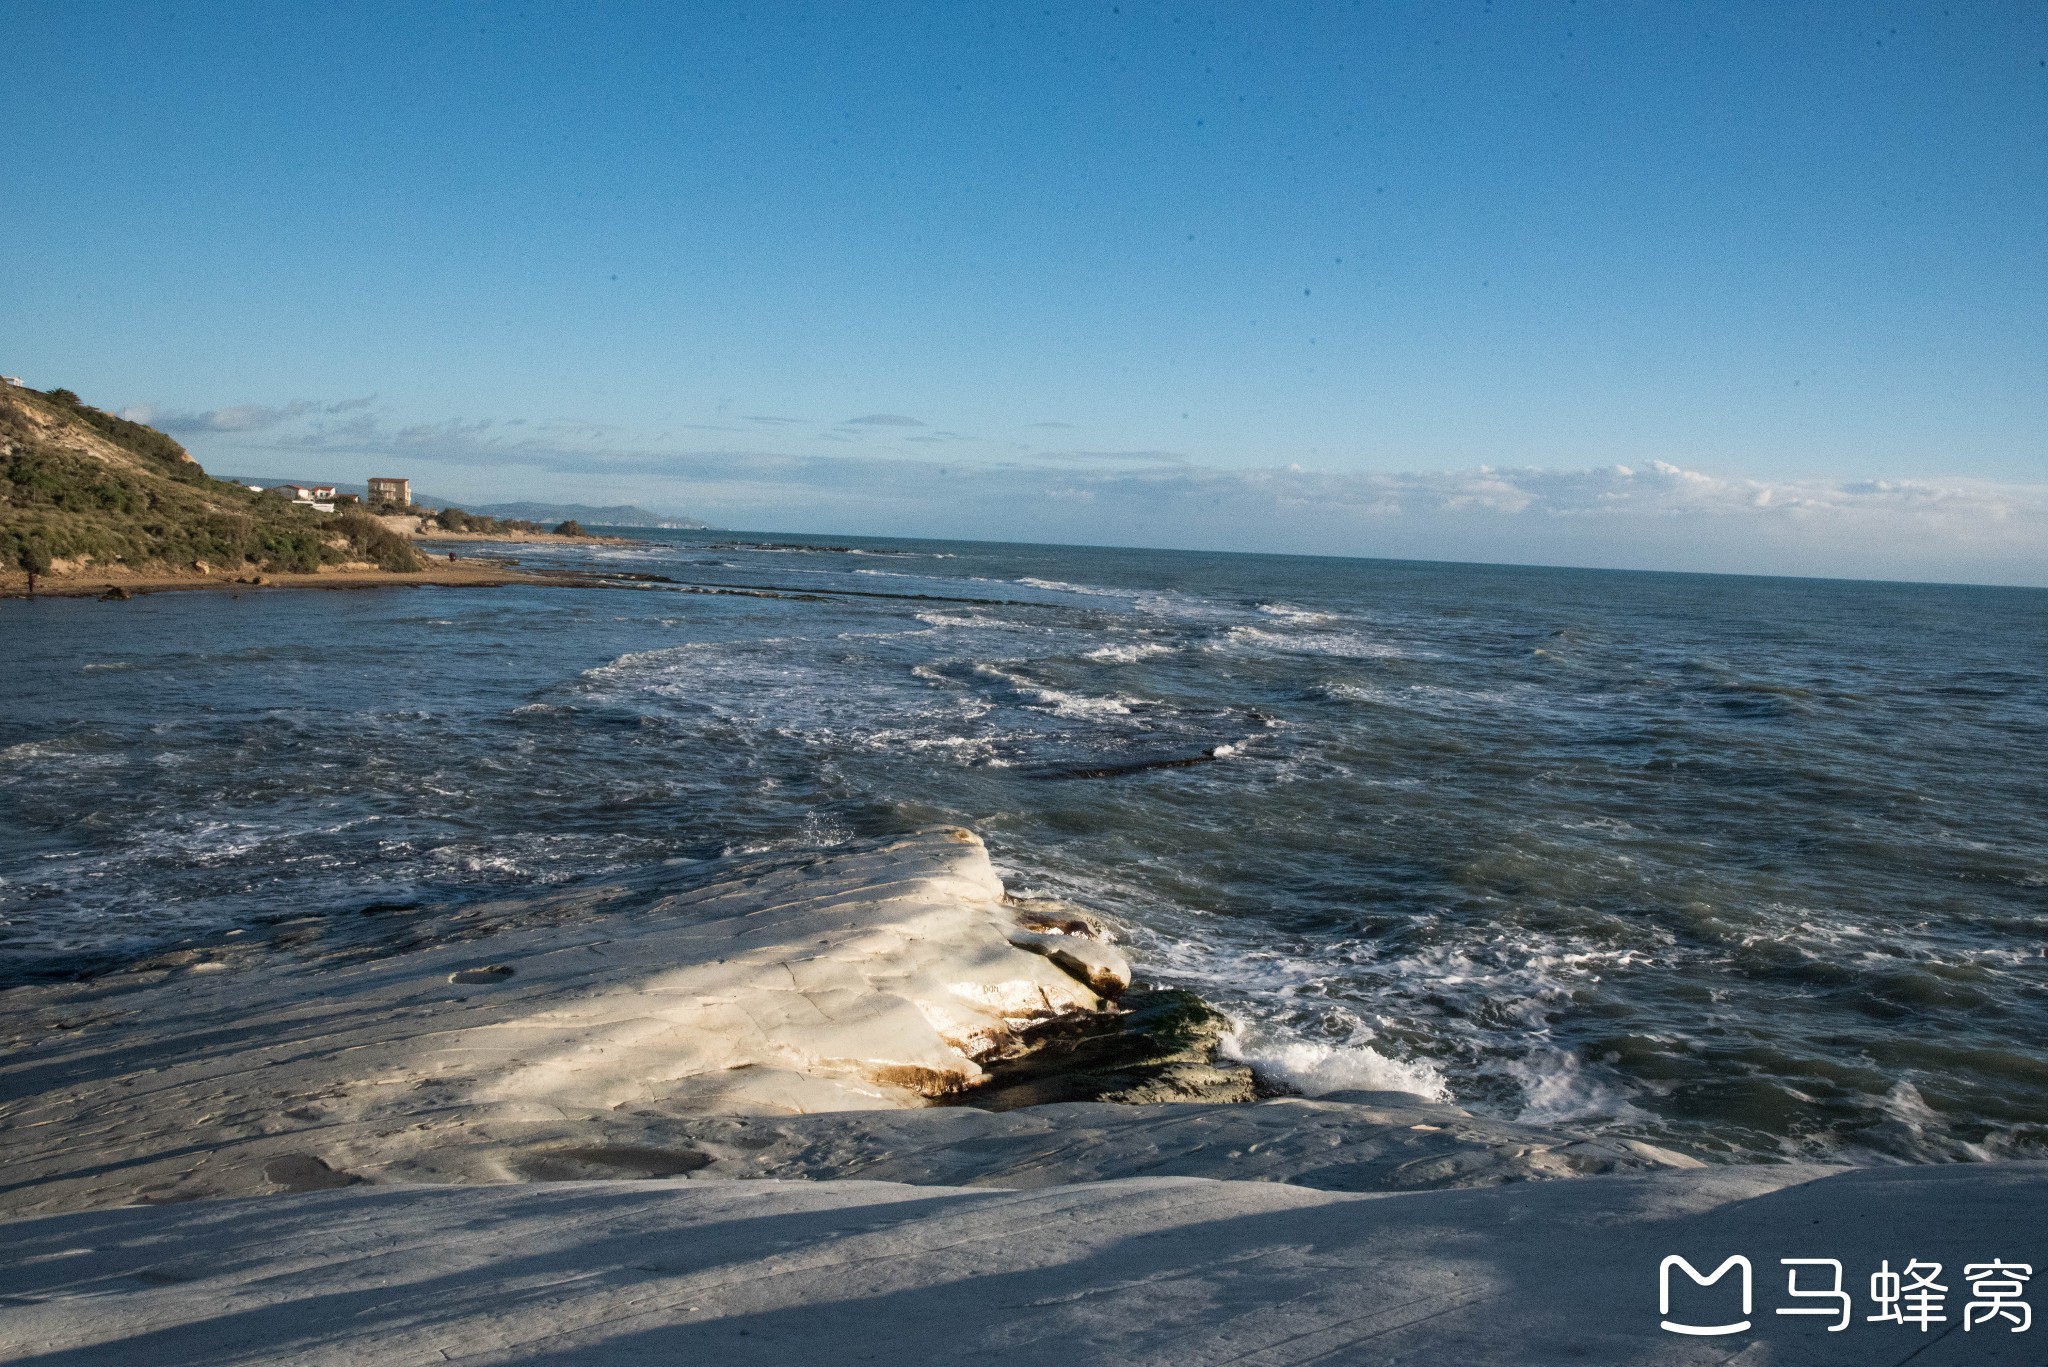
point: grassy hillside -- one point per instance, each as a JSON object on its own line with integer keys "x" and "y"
{"x": 81, "y": 488}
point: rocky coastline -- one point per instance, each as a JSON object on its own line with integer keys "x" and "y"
{"x": 269, "y": 1147}
{"x": 787, "y": 1016}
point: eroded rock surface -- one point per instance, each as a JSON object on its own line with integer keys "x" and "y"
{"x": 793, "y": 1016}
{"x": 1161, "y": 1272}
{"x": 873, "y": 977}
{"x": 1359, "y": 1141}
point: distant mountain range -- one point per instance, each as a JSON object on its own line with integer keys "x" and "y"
{"x": 611, "y": 515}
{"x": 589, "y": 514}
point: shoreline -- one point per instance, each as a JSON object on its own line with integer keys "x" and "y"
{"x": 480, "y": 572}
{"x": 775, "y": 1016}
{"x": 471, "y": 574}
{"x": 523, "y": 538}
{"x": 695, "y": 1110}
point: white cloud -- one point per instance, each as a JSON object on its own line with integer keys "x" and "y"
{"x": 247, "y": 417}
{"x": 1648, "y": 514}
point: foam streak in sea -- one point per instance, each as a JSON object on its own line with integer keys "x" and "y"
{"x": 1750, "y": 866}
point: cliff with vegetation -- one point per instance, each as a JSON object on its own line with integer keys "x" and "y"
{"x": 82, "y": 490}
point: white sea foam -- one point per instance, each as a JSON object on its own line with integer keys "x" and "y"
{"x": 1082, "y": 706}
{"x": 955, "y": 619}
{"x": 29, "y": 751}
{"x": 1089, "y": 590}
{"x": 1557, "y": 1087}
{"x": 1298, "y": 616}
{"x": 1422, "y": 696}
{"x": 1129, "y": 654}
{"x": 1315, "y": 1069}
{"x": 1347, "y": 644}
{"x": 1059, "y": 701}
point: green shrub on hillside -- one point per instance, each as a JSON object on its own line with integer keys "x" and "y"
{"x": 456, "y": 520}
{"x": 151, "y": 445}
{"x": 371, "y": 540}
{"x": 63, "y": 504}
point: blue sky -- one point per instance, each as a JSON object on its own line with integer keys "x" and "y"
{"x": 1723, "y": 286}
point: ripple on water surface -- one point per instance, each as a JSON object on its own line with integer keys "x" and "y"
{"x": 1753, "y": 866}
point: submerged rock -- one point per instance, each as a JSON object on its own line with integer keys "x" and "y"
{"x": 1160, "y": 1046}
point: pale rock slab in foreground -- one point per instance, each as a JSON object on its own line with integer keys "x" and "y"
{"x": 863, "y": 979}
{"x": 1163, "y": 1272}
{"x": 791, "y": 1017}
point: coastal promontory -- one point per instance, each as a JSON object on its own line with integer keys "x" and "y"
{"x": 95, "y": 503}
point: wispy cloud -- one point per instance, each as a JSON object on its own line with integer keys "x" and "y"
{"x": 1105, "y": 460}
{"x": 882, "y": 420}
{"x": 247, "y": 417}
{"x": 1650, "y": 514}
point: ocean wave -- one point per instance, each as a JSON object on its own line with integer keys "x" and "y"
{"x": 69, "y": 755}
{"x": 1557, "y": 1087}
{"x": 1088, "y": 590}
{"x": 1059, "y": 701}
{"x": 1313, "y": 1068}
{"x": 1347, "y": 644}
{"x": 957, "y": 620}
{"x": 1299, "y": 616}
{"x": 1129, "y": 654}
{"x": 29, "y": 751}
{"x": 1439, "y": 696}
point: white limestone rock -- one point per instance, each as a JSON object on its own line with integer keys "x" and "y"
{"x": 630, "y": 1029}
{"x": 869, "y": 978}
{"x": 1099, "y": 964}
{"x": 1160, "y": 1272}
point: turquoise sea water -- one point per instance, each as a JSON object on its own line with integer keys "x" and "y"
{"x": 1752, "y": 866}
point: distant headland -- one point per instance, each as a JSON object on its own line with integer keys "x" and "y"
{"x": 93, "y": 503}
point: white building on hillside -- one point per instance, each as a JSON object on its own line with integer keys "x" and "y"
{"x": 318, "y": 497}
{"x": 389, "y": 489}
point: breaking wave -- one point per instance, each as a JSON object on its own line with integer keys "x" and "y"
{"x": 1316, "y": 1069}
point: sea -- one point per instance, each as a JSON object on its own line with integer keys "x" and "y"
{"x": 1752, "y": 867}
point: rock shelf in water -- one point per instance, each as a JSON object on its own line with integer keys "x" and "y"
{"x": 551, "y": 1130}
{"x": 742, "y": 1027}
